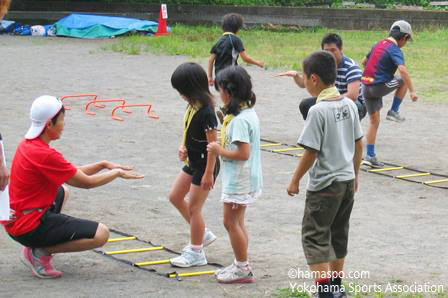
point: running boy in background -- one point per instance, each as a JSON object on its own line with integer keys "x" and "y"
{"x": 241, "y": 175}
{"x": 333, "y": 151}
{"x": 198, "y": 175}
{"x": 229, "y": 47}
{"x": 378, "y": 80}
{"x": 348, "y": 79}
{"x": 37, "y": 194}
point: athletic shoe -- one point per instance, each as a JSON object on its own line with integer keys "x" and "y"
{"x": 189, "y": 258}
{"x": 235, "y": 274}
{"x": 224, "y": 269}
{"x": 371, "y": 161}
{"x": 394, "y": 116}
{"x": 209, "y": 238}
{"x": 41, "y": 267}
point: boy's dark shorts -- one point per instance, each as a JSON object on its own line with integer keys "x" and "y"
{"x": 57, "y": 228}
{"x": 326, "y": 222}
{"x": 198, "y": 172}
{"x": 373, "y": 94}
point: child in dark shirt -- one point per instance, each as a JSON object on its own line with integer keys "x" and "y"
{"x": 229, "y": 47}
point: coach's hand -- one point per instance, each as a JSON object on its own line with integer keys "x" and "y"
{"x": 111, "y": 165}
{"x": 291, "y": 73}
{"x": 129, "y": 174}
{"x": 414, "y": 96}
{"x": 293, "y": 188}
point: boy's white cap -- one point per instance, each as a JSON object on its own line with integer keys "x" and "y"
{"x": 404, "y": 26}
{"x": 43, "y": 109}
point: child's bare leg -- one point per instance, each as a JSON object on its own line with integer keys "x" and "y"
{"x": 374, "y": 123}
{"x": 401, "y": 91}
{"x": 243, "y": 227}
{"x": 337, "y": 266}
{"x": 238, "y": 239}
{"x": 197, "y": 226}
{"x": 179, "y": 190}
{"x": 320, "y": 269}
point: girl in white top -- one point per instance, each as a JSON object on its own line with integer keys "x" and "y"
{"x": 241, "y": 165}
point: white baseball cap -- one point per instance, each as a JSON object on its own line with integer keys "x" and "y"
{"x": 404, "y": 26}
{"x": 43, "y": 109}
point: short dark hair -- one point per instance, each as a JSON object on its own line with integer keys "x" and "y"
{"x": 397, "y": 34}
{"x": 331, "y": 38}
{"x": 322, "y": 64}
{"x": 236, "y": 81}
{"x": 232, "y": 22}
{"x": 190, "y": 80}
{"x": 55, "y": 117}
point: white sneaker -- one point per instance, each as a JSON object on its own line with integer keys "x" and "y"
{"x": 209, "y": 238}
{"x": 189, "y": 258}
{"x": 224, "y": 269}
{"x": 235, "y": 274}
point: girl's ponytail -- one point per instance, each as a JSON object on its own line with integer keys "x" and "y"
{"x": 237, "y": 83}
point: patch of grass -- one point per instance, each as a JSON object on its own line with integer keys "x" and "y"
{"x": 285, "y": 48}
{"x": 288, "y": 293}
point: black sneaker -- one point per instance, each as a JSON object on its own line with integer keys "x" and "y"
{"x": 372, "y": 162}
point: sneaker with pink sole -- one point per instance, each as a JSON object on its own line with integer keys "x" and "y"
{"x": 234, "y": 274}
{"x": 41, "y": 267}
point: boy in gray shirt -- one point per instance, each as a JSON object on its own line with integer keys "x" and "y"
{"x": 332, "y": 138}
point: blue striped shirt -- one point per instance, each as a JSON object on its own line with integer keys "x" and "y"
{"x": 348, "y": 71}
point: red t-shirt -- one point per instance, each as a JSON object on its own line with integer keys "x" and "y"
{"x": 37, "y": 172}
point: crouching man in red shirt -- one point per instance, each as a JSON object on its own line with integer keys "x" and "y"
{"x": 37, "y": 194}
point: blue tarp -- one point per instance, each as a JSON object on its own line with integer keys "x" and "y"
{"x": 94, "y": 26}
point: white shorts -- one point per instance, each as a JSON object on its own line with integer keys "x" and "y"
{"x": 242, "y": 199}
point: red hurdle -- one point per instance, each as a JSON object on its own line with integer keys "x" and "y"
{"x": 122, "y": 101}
{"x": 122, "y": 107}
{"x": 81, "y": 96}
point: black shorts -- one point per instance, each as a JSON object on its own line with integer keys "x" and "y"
{"x": 373, "y": 94}
{"x": 198, "y": 172}
{"x": 56, "y": 228}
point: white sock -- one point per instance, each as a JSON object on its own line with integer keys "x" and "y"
{"x": 196, "y": 248}
{"x": 242, "y": 265}
{"x": 39, "y": 252}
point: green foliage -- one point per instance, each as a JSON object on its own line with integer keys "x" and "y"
{"x": 287, "y": 293}
{"x": 299, "y": 3}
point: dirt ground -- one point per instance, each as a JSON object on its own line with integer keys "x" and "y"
{"x": 398, "y": 229}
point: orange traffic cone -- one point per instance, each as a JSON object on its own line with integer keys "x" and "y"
{"x": 161, "y": 28}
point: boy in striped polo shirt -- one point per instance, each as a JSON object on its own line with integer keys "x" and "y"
{"x": 348, "y": 79}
